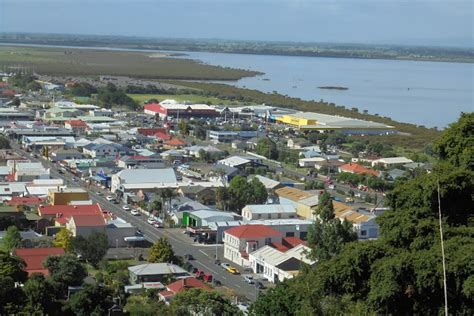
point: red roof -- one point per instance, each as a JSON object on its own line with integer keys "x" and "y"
{"x": 76, "y": 123}
{"x": 68, "y": 210}
{"x": 358, "y": 169}
{"x": 175, "y": 142}
{"x": 9, "y": 92}
{"x": 151, "y": 131}
{"x": 252, "y": 231}
{"x": 153, "y": 107}
{"x": 3, "y": 84}
{"x": 279, "y": 247}
{"x": 34, "y": 258}
{"x": 291, "y": 242}
{"x": 29, "y": 200}
{"x": 186, "y": 284}
{"x": 88, "y": 220}
{"x": 163, "y": 136}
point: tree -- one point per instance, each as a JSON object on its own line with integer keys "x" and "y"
{"x": 11, "y": 297}
{"x": 63, "y": 239}
{"x": 199, "y": 132}
{"x": 202, "y": 302}
{"x": 242, "y": 193}
{"x": 65, "y": 270}
{"x": 141, "y": 305}
{"x": 12, "y": 267}
{"x": 183, "y": 127}
{"x": 39, "y": 296}
{"x": 11, "y": 240}
{"x": 33, "y": 86}
{"x": 456, "y": 144}
{"x": 93, "y": 248}
{"x": 16, "y": 101}
{"x": 222, "y": 198}
{"x": 266, "y": 147}
{"x": 327, "y": 235}
{"x": 4, "y": 143}
{"x": 161, "y": 251}
{"x": 90, "y": 300}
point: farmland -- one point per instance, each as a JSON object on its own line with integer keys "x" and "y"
{"x": 92, "y": 62}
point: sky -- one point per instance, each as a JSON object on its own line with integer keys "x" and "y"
{"x": 425, "y": 22}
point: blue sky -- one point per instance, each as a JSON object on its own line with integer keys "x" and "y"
{"x": 427, "y": 22}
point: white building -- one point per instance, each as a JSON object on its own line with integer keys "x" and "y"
{"x": 268, "y": 211}
{"x": 364, "y": 225}
{"x": 391, "y": 162}
{"x": 133, "y": 180}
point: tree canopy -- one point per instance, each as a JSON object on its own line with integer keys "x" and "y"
{"x": 65, "y": 270}
{"x": 11, "y": 240}
{"x": 202, "y": 302}
{"x": 266, "y": 147}
{"x": 161, "y": 251}
{"x": 92, "y": 248}
{"x": 241, "y": 193}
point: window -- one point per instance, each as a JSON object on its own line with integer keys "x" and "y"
{"x": 290, "y": 234}
{"x": 279, "y": 215}
{"x": 269, "y": 216}
{"x": 259, "y": 216}
{"x": 363, "y": 233}
{"x": 268, "y": 241}
{"x": 303, "y": 235}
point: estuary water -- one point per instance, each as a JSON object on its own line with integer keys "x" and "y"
{"x": 419, "y": 92}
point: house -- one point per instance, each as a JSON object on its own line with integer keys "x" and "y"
{"x": 66, "y": 196}
{"x": 30, "y": 201}
{"x": 11, "y": 212}
{"x": 155, "y": 272}
{"x": 204, "y": 195}
{"x": 167, "y": 108}
{"x": 358, "y": 169}
{"x": 181, "y": 285}
{"x": 269, "y": 211}
{"x": 278, "y": 262}
{"x": 305, "y": 202}
{"x": 297, "y": 143}
{"x": 364, "y": 224}
{"x": 152, "y": 131}
{"x": 269, "y": 184}
{"x": 241, "y": 240}
{"x": 28, "y": 171}
{"x": 211, "y": 151}
{"x": 241, "y": 162}
{"x": 238, "y": 144}
{"x": 310, "y": 162}
{"x": 117, "y": 232}
{"x": 175, "y": 143}
{"x": 79, "y": 127}
{"x": 34, "y": 258}
{"x": 110, "y": 151}
{"x": 65, "y": 154}
{"x": 391, "y": 162}
{"x": 60, "y": 214}
{"x": 84, "y": 225}
{"x": 127, "y": 162}
{"x": 134, "y": 180}
{"x": 396, "y": 173}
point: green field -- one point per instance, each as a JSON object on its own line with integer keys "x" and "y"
{"x": 183, "y": 97}
{"x": 90, "y": 62}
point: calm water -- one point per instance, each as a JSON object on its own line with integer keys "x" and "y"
{"x": 424, "y": 93}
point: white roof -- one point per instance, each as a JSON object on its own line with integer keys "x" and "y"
{"x": 234, "y": 161}
{"x": 174, "y": 105}
{"x": 313, "y": 159}
{"x": 274, "y": 257}
{"x": 267, "y": 182}
{"x": 147, "y": 176}
{"x": 156, "y": 268}
{"x": 393, "y": 160}
{"x": 270, "y": 208}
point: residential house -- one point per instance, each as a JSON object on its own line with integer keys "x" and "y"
{"x": 34, "y": 258}
{"x": 304, "y": 201}
{"x": 155, "y": 272}
{"x": 79, "y": 127}
{"x": 174, "y": 143}
{"x": 65, "y": 154}
{"x": 310, "y": 162}
{"x": 359, "y": 169}
{"x": 240, "y": 241}
{"x": 204, "y": 195}
{"x": 181, "y": 285}
{"x": 109, "y": 151}
{"x": 297, "y": 143}
{"x": 211, "y": 151}
{"x": 391, "y": 162}
{"x": 364, "y": 224}
{"x": 238, "y": 144}
{"x": 84, "y": 225}
{"x": 269, "y": 211}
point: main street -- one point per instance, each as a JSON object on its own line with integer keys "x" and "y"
{"x": 182, "y": 244}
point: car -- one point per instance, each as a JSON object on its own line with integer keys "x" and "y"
{"x": 110, "y": 198}
{"x": 199, "y": 274}
{"x": 151, "y": 220}
{"x": 249, "y": 279}
{"x": 217, "y": 262}
{"x": 207, "y": 278}
{"x": 115, "y": 202}
{"x": 126, "y": 208}
{"x": 99, "y": 193}
{"x": 157, "y": 224}
{"x": 233, "y": 270}
{"x": 60, "y": 171}
{"x": 135, "y": 212}
{"x": 188, "y": 257}
{"x": 225, "y": 265}
{"x": 260, "y": 285}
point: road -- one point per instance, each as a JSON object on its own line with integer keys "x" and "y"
{"x": 182, "y": 244}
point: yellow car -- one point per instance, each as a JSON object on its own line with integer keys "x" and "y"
{"x": 232, "y": 270}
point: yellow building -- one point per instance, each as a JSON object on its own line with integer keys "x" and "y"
{"x": 65, "y": 196}
{"x": 305, "y": 202}
{"x": 295, "y": 120}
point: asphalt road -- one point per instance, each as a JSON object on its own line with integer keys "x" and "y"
{"x": 182, "y": 244}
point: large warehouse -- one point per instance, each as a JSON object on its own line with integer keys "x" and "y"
{"x": 316, "y": 121}
{"x": 172, "y": 108}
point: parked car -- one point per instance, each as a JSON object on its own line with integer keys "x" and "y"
{"x": 207, "y": 278}
{"x": 99, "y": 193}
{"x": 157, "y": 224}
{"x": 249, "y": 279}
{"x": 199, "y": 274}
{"x": 151, "y": 220}
{"x": 135, "y": 212}
{"x": 217, "y": 261}
{"x": 188, "y": 257}
{"x": 110, "y": 198}
{"x": 126, "y": 208}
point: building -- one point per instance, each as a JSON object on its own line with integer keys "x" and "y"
{"x": 171, "y": 108}
{"x": 117, "y": 232}
{"x": 84, "y": 225}
{"x": 364, "y": 225}
{"x": 109, "y": 151}
{"x": 79, "y": 127}
{"x": 202, "y": 218}
{"x": 28, "y": 171}
{"x": 34, "y": 258}
{"x": 181, "y": 285}
{"x": 66, "y": 196}
{"x": 199, "y": 193}
{"x": 59, "y": 215}
{"x": 241, "y": 162}
{"x": 269, "y": 211}
{"x": 155, "y": 272}
{"x": 278, "y": 262}
{"x": 310, "y": 162}
{"x": 240, "y": 241}
{"x": 359, "y": 169}
{"x": 305, "y": 202}
{"x": 130, "y": 162}
{"x": 65, "y": 154}
{"x": 134, "y": 180}
{"x": 269, "y": 184}
{"x": 391, "y": 162}
{"x": 229, "y": 136}
{"x": 307, "y": 121}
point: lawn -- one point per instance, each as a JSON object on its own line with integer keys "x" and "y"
{"x": 183, "y": 97}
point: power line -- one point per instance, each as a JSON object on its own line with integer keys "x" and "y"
{"x": 442, "y": 253}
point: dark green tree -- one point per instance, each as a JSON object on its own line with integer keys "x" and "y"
{"x": 12, "y": 267}
{"x": 39, "y": 296}
{"x": 242, "y": 193}
{"x": 202, "y": 302}
{"x": 267, "y": 148}
{"x": 93, "y": 248}
{"x": 4, "y": 143}
{"x": 65, "y": 270}
{"x": 90, "y": 300}
{"x": 11, "y": 240}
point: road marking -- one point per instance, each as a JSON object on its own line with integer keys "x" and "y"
{"x": 236, "y": 285}
{"x": 204, "y": 253}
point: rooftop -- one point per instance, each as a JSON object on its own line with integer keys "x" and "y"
{"x": 185, "y": 284}
{"x": 34, "y": 258}
{"x": 141, "y": 176}
{"x": 252, "y": 231}
{"x": 270, "y": 208}
{"x": 156, "y": 268}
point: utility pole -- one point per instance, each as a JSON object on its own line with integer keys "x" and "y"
{"x": 442, "y": 253}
